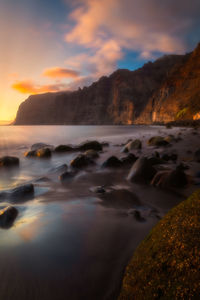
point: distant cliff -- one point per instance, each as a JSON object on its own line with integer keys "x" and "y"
{"x": 162, "y": 91}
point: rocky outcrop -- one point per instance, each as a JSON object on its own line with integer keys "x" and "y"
{"x": 165, "y": 90}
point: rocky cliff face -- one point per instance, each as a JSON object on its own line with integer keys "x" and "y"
{"x": 162, "y": 91}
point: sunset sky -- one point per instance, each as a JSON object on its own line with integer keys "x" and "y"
{"x": 55, "y": 45}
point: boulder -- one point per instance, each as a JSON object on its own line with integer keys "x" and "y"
{"x": 91, "y": 153}
{"x": 170, "y": 138}
{"x": 9, "y": 161}
{"x": 8, "y": 216}
{"x": 41, "y": 153}
{"x": 68, "y": 175}
{"x": 119, "y": 198}
{"x": 136, "y": 144}
{"x": 112, "y": 162}
{"x": 129, "y": 159}
{"x": 170, "y": 178}
{"x": 138, "y": 216}
{"x": 38, "y": 146}
{"x": 142, "y": 171}
{"x": 81, "y": 161}
{"x": 157, "y": 141}
{"x": 64, "y": 148}
{"x": 22, "y": 192}
{"x": 169, "y": 156}
{"x": 90, "y": 145}
{"x": 44, "y": 153}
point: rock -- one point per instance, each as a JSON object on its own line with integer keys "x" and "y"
{"x": 170, "y": 179}
{"x": 41, "y": 153}
{"x": 155, "y": 161}
{"x": 9, "y": 161}
{"x": 112, "y": 162}
{"x": 91, "y": 153}
{"x": 169, "y": 156}
{"x": 105, "y": 144}
{"x": 8, "y": 216}
{"x": 157, "y": 141}
{"x": 98, "y": 189}
{"x": 129, "y": 159}
{"x": 81, "y": 161}
{"x": 44, "y": 153}
{"x": 120, "y": 198}
{"x": 138, "y": 216}
{"x": 67, "y": 176}
{"x": 32, "y": 153}
{"x": 170, "y": 138}
{"x": 21, "y": 192}
{"x": 90, "y": 145}
{"x": 142, "y": 171}
{"x": 197, "y": 155}
{"x": 63, "y": 148}
{"x": 136, "y": 144}
{"x": 38, "y": 146}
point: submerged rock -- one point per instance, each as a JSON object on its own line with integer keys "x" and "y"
{"x": 8, "y": 216}
{"x": 120, "y": 198}
{"x": 170, "y": 178}
{"x": 81, "y": 161}
{"x": 9, "y": 161}
{"x": 38, "y": 146}
{"x": 142, "y": 171}
{"x": 138, "y": 216}
{"x": 157, "y": 141}
{"x": 90, "y": 145}
{"x": 41, "y": 153}
{"x": 22, "y": 192}
{"x": 68, "y": 175}
{"x": 91, "y": 153}
{"x": 136, "y": 144}
{"x": 64, "y": 148}
{"x": 112, "y": 162}
{"x": 169, "y": 156}
{"x": 129, "y": 159}
{"x": 98, "y": 189}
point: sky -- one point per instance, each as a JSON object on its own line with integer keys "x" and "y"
{"x": 57, "y": 45}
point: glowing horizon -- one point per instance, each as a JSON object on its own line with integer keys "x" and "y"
{"x": 49, "y": 46}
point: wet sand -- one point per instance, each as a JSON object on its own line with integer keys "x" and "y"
{"x": 67, "y": 243}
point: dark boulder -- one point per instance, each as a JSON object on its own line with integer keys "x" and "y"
{"x": 157, "y": 141}
{"x": 9, "y": 161}
{"x": 91, "y": 153}
{"x": 8, "y": 216}
{"x": 169, "y": 156}
{"x": 90, "y": 145}
{"x": 112, "y": 162}
{"x": 38, "y": 146}
{"x": 21, "y": 192}
{"x": 119, "y": 198}
{"x": 138, "y": 216}
{"x": 129, "y": 159}
{"x": 68, "y": 175}
{"x": 64, "y": 148}
{"x": 132, "y": 145}
{"x": 142, "y": 171}
{"x": 170, "y": 178}
{"x": 81, "y": 161}
{"x": 44, "y": 153}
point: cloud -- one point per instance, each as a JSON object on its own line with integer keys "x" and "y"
{"x": 106, "y": 29}
{"x": 29, "y": 87}
{"x": 57, "y": 72}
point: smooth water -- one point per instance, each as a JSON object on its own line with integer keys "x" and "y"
{"x": 65, "y": 243}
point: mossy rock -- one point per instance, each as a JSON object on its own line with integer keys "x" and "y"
{"x": 166, "y": 265}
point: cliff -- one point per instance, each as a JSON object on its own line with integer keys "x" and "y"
{"x": 162, "y": 91}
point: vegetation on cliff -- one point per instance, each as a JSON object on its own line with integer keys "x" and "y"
{"x": 166, "y": 264}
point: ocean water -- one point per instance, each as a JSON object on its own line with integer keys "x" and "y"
{"x": 66, "y": 243}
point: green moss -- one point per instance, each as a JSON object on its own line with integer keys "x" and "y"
{"x": 181, "y": 113}
{"x": 166, "y": 265}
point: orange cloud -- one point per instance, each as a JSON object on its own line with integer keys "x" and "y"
{"x": 29, "y": 87}
{"x": 57, "y": 72}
